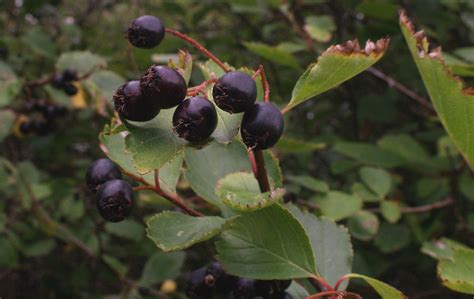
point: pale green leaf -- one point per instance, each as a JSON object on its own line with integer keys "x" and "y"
{"x": 176, "y": 231}
{"x": 296, "y": 291}
{"x": 266, "y": 244}
{"x": 128, "y": 229}
{"x": 103, "y": 84}
{"x": 453, "y": 103}
{"x": 369, "y": 154}
{"x": 309, "y": 183}
{"x": 10, "y": 85}
{"x": 378, "y": 180}
{"x": 390, "y": 210}
{"x": 337, "y": 64}
{"x": 320, "y": 28}
{"x": 392, "y": 237}
{"x": 338, "y": 205}
{"x": 7, "y": 120}
{"x": 442, "y": 248}
{"x": 82, "y": 62}
{"x": 274, "y": 54}
{"x": 363, "y": 225}
{"x": 457, "y": 273}
{"x": 384, "y": 290}
{"x": 161, "y": 266}
{"x": 289, "y": 145}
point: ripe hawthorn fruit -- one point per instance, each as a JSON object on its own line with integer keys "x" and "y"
{"x": 197, "y": 287}
{"x": 165, "y": 85}
{"x": 195, "y": 119}
{"x": 114, "y": 200}
{"x": 262, "y": 126}
{"x": 131, "y": 104}
{"x": 146, "y": 32}
{"x": 235, "y": 92}
{"x": 244, "y": 288}
{"x": 101, "y": 171}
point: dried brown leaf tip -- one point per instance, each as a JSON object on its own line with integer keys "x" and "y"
{"x": 353, "y": 47}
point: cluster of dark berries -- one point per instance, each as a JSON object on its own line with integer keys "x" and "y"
{"x": 64, "y": 81}
{"x": 113, "y": 196}
{"x": 214, "y": 282}
{"x": 195, "y": 118}
{"x": 45, "y": 124}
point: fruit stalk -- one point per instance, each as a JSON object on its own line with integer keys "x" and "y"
{"x": 198, "y": 46}
{"x": 261, "y": 172}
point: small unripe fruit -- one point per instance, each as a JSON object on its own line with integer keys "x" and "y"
{"x": 146, "y": 32}
{"x": 262, "y": 126}
{"x": 114, "y": 200}
{"x": 131, "y": 104}
{"x": 101, "y": 171}
{"x": 195, "y": 119}
{"x": 235, "y": 92}
{"x": 165, "y": 85}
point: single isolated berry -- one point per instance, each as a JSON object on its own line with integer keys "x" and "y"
{"x": 114, "y": 200}
{"x": 146, "y": 32}
{"x": 244, "y": 288}
{"x": 101, "y": 171}
{"x": 131, "y": 104}
{"x": 235, "y": 92}
{"x": 262, "y": 126}
{"x": 165, "y": 85}
{"x": 195, "y": 119}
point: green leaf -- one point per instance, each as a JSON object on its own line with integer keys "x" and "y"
{"x": 363, "y": 225}
{"x": 205, "y": 167}
{"x": 338, "y": 205}
{"x": 361, "y": 191}
{"x": 337, "y": 64}
{"x": 392, "y": 237}
{"x": 331, "y": 245}
{"x": 8, "y": 253}
{"x": 368, "y": 154}
{"x": 81, "y": 61}
{"x": 128, "y": 229}
{"x": 40, "y": 248}
{"x": 453, "y": 103}
{"x": 10, "y": 85}
{"x": 378, "y": 9}
{"x": 161, "y": 266}
{"x": 115, "y": 265}
{"x": 8, "y": 119}
{"x": 296, "y": 291}
{"x": 266, "y": 244}
{"x": 377, "y": 179}
{"x": 457, "y": 273}
{"x": 391, "y": 211}
{"x": 320, "y": 28}
{"x": 309, "y": 183}
{"x": 289, "y": 145}
{"x": 274, "y": 54}
{"x": 384, "y": 290}
{"x": 103, "y": 84}
{"x": 176, "y": 231}
{"x": 39, "y": 42}
{"x": 442, "y": 249}
{"x": 114, "y": 148}
{"x": 153, "y": 143}
{"x": 240, "y": 191}
{"x": 185, "y": 65}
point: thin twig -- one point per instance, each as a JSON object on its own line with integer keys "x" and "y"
{"x": 157, "y": 179}
{"x": 198, "y": 46}
{"x": 265, "y": 85}
{"x": 261, "y": 174}
{"x": 422, "y": 209}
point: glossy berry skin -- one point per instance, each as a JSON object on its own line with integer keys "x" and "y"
{"x": 101, "y": 171}
{"x": 197, "y": 286}
{"x": 114, "y": 200}
{"x": 235, "y": 92}
{"x": 70, "y": 89}
{"x": 195, "y": 119}
{"x": 165, "y": 85}
{"x": 131, "y": 104}
{"x": 262, "y": 126}
{"x": 146, "y": 32}
{"x": 69, "y": 75}
{"x": 244, "y": 288}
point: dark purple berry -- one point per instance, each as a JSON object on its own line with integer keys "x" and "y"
{"x": 101, "y": 171}
{"x": 70, "y": 89}
{"x": 195, "y": 119}
{"x": 27, "y": 127}
{"x": 114, "y": 200}
{"x": 53, "y": 111}
{"x": 131, "y": 104}
{"x": 235, "y": 92}
{"x": 198, "y": 287}
{"x": 58, "y": 81}
{"x": 271, "y": 288}
{"x": 165, "y": 85}
{"x": 146, "y": 32}
{"x": 262, "y": 126}
{"x": 244, "y": 289}
{"x": 69, "y": 75}
{"x": 224, "y": 282}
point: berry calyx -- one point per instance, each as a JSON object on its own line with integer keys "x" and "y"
{"x": 195, "y": 119}
{"x": 235, "y": 92}
{"x": 114, "y": 200}
{"x": 101, "y": 171}
{"x": 131, "y": 104}
{"x": 262, "y": 126}
{"x": 165, "y": 85}
{"x": 146, "y": 32}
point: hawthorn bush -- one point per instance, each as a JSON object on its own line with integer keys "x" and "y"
{"x": 246, "y": 149}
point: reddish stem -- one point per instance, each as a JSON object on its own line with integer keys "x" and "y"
{"x": 322, "y": 282}
{"x": 192, "y": 91}
{"x": 198, "y": 46}
{"x": 339, "y": 281}
{"x": 323, "y": 294}
{"x": 252, "y": 162}
{"x": 157, "y": 179}
{"x": 261, "y": 172}
{"x": 265, "y": 85}
{"x": 173, "y": 198}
